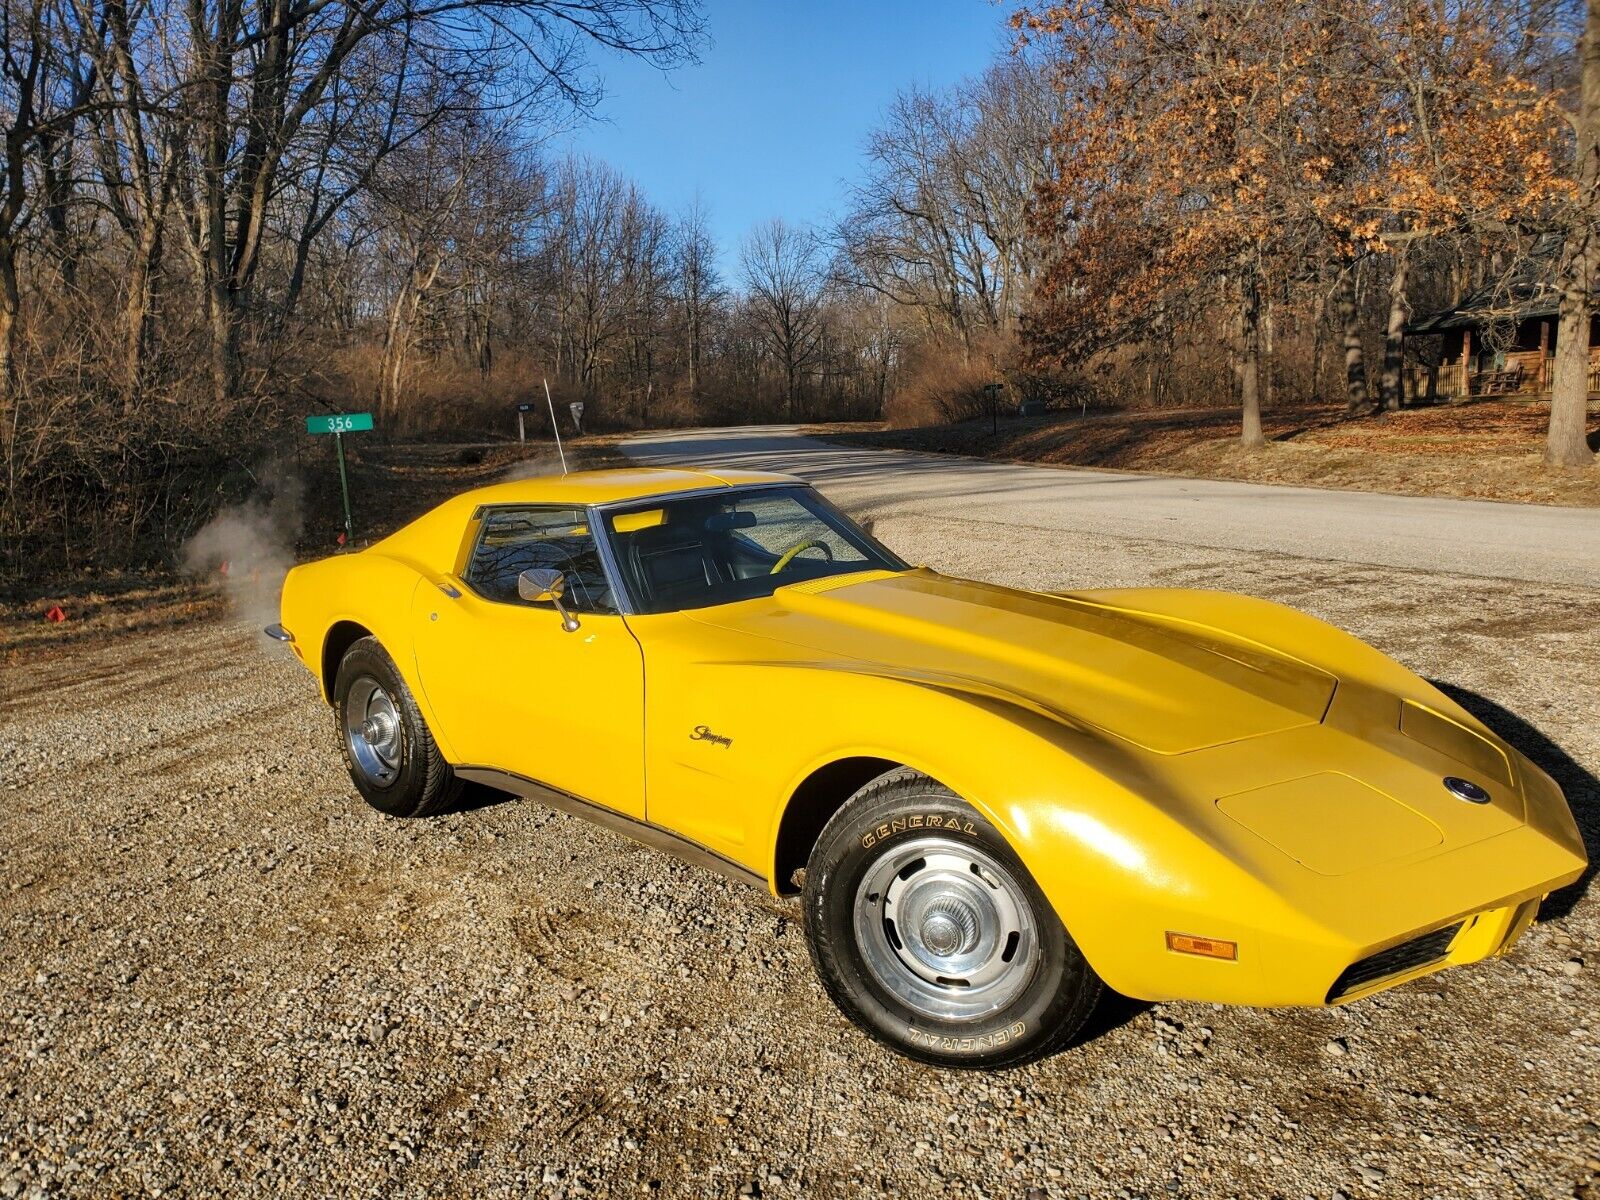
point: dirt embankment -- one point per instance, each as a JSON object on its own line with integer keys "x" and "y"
{"x": 1488, "y": 450}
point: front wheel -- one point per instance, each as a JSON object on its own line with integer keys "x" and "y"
{"x": 390, "y": 754}
{"x": 929, "y": 933}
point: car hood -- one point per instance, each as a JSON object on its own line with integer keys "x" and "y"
{"x": 1165, "y": 685}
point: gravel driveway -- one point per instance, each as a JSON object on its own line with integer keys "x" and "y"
{"x": 223, "y": 974}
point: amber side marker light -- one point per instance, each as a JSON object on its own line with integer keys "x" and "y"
{"x": 1187, "y": 943}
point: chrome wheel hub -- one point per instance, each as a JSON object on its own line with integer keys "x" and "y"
{"x": 372, "y": 731}
{"x": 949, "y": 927}
{"x": 378, "y": 729}
{"x": 946, "y": 929}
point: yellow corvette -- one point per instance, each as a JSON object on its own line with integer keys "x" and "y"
{"x": 992, "y": 800}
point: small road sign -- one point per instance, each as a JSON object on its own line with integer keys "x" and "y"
{"x": 576, "y": 409}
{"x": 524, "y": 408}
{"x": 340, "y": 424}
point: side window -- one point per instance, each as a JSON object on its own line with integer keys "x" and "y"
{"x": 514, "y": 540}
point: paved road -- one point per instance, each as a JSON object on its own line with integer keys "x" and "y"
{"x": 1467, "y": 537}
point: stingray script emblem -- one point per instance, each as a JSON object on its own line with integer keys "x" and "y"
{"x": 703, "y": 734}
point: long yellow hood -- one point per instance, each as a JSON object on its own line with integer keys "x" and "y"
{"x": 1164, "y": 685}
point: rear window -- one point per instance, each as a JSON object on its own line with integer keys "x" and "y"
{"x": 513, "y": 540}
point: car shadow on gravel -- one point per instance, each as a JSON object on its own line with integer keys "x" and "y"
{"x": 1579, "y": 784}
{"x": 475, "y": 796}
{"x": 1113, "y": 1012}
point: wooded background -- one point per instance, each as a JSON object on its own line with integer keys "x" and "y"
{"x": 217, "y": 216}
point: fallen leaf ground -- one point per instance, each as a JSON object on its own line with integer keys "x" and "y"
{"x": 1489, "y": 450}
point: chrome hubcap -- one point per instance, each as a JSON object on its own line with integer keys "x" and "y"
{"x": 945, "y": 928}
{"x": 372, "y": 731}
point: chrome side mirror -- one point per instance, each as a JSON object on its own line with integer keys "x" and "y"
{"x": 543, "y": 585}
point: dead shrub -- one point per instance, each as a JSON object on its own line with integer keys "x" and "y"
{"x": 941, "y": 385}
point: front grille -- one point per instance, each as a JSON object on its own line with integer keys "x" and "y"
{"x": 1418, "y": 952}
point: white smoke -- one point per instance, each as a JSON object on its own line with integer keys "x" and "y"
{"x": 543, "y": 464}
{"x": 249, "y": 547}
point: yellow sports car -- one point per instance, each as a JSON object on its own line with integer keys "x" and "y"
{"x": 991, "y": 800}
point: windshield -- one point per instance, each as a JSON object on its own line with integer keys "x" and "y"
{"x": 727, "y": 546}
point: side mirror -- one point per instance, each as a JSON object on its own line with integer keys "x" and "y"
{"x": 543, "y": 585}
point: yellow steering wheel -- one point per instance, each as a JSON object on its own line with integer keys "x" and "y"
{"x": 788, "y": 556}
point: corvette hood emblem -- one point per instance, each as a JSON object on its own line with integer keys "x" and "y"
{"x": 1465, "y": 789}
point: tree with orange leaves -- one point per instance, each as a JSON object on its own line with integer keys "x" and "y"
{"x": 1214, "y": 151}
{"x": 1467, "y": 151}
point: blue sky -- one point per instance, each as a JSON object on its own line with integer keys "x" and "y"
{"x": 772, "y": 120}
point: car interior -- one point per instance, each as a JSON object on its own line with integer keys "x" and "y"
{"x": 689, "y": 553}
{"x": 697, "y": 552}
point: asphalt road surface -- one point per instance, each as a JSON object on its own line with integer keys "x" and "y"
{"x": 1466, "y": 537}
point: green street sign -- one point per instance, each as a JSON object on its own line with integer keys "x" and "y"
{"x": 340, "y": 423}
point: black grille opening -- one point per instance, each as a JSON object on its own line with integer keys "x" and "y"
{"x": 1418, "y": 952}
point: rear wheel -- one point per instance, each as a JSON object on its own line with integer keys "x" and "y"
{"x": 390, "y": 754}
{"x": 927, "y": 930}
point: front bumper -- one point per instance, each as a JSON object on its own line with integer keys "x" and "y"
{"x": 1487, "y": 935}
{"x": 1305, "y": 944}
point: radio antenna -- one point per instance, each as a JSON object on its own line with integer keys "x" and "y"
{"x": 554, "y": 427}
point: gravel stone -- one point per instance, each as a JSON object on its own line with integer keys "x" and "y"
{"x": 417, "y": 1008}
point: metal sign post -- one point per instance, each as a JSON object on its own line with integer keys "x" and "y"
{"x": 339, "y": 424}
{"x": 522, "y": 433}
{"x": 576, "y": 409}
{"x": 992, "y": 392}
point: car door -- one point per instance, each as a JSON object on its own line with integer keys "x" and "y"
{"x": 510, "y": 686}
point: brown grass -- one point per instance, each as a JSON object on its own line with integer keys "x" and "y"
{"x": 1488, "y": 450}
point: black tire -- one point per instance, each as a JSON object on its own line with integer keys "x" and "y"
{"x": 1046, "y": 998}
{"x": 408, "y": 777}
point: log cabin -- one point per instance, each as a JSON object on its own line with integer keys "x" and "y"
{"x": 1492, "y": 344}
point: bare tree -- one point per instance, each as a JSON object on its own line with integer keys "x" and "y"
{"x": 939, "y": 221}
{"x": 699, "y": 284}
{"x": 30, "y": 37}
{"x": 256, "y": 70}
{"x": 784, "y": 276}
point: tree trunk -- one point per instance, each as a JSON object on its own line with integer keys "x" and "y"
{"x": 694, "y": 349}
{"x": 1355, "y": 363}
{"x": 1268, "y": 363}
{"x": 1566, "y": 443}
{"x": 53, "y": 151}
{"x": 139, "y": 315}
{"x": 1317, "y": 329}
{"x": 224, "y": 320}
{"x": 296, "y": 285}
{"x": 10, "y": 306}
{"x": 1250, "y": 364}
{"x": 389, "y": 364}
{"x": 1391, "y": 387}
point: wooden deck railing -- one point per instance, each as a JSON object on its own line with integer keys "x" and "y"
{"x": 1516, "y": 380}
